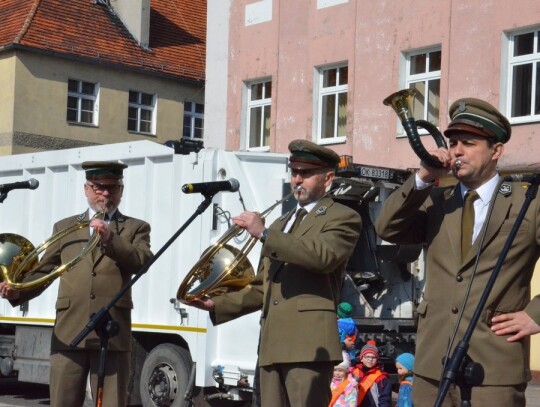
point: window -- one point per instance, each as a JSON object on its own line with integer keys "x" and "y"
{"x": 424, "y": 75}
{"x": 259, "y": 107}
{"x": 82, "y": 102}
{"x": 333, "y": 86}
{"x": 141, "y": 112}
{"x": 523, "y": 101}
{"x": 193, "y": 120}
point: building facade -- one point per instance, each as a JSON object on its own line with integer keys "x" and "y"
{"x": 85, "y": 72}
{"x": 320, "y": 70}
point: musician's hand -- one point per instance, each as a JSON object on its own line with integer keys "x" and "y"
{"x": 101, "y": 227}
{"x": 430, "y": 174}
{"x": 250, "y": 221}
{"x": 8, "y": 293}
{"x": 205, "y": 304}
{"x": 520, "y": 324}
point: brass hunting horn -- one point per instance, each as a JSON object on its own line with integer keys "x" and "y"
{"x": 222, "y": 267}
{"x": 401, "y": 102}
{"x": 18, "y": 256}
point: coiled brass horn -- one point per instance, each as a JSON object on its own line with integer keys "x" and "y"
{"x": 222, "y": 267}
{"x": 18, "y": 256}
{"x": 401, "y": 102}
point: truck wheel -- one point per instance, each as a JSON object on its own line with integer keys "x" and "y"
{"x": 165, "y": 376}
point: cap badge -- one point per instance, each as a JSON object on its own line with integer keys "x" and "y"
{"x": 321, "y": 211}
{"x": 462, "y": 107}
{"x": 505, "y": 189}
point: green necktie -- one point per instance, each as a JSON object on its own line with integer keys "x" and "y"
{"x": 300, "y": 213}
{"x": 467, "y": 222}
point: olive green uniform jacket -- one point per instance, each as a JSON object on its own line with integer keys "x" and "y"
{"x": 94, "y": 280}
{"x": 298, "y": 286}
{"x": 433, "y": 217}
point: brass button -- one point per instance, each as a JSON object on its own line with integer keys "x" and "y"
{"x": 459, "y": 278}
{"x": 92, "y": 296}
{"x": 276, "y": 302}
{"x": 454, "y": 310}
{"x": 94, "y": 274}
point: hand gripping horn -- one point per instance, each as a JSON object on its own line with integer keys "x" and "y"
{"x": 222, "y": 267}
{"x": 18, "y": 256}
{"x": 401, "y": 103}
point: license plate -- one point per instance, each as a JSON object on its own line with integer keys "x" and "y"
{"x": 375, "y": 173}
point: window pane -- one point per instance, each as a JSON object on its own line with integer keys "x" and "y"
{"x": 72, "y": 102}
{"x": 257, "y": 91}
{"x": 329, "y": 78}
{"x": 132, "y": 125}
{"x": 199, "y": 123}
{"x": 147, "y": 99}
{"x": 72, "y": 115}
{"x": 86, "y": 117}
{"x": 73, "y": 85}
{"x": 255, "y": 126}
{"x": 434, "y": 61}
{"x": 132, "y": 113}
{"x": 87, "y": 88}
{"x": 343, "y": 75}
{"x": 434, "y": 91}
{"x": 419, "y": 100}
{"x": 187, "y": 106}
{"x": 198, "y": 133}
{"x": 328, "y": 116}
{"x": 537, "y": 90}
{"x": 418, "y": 64}
{"x": 186, "y": 133}
{"x": 523, "y": 44}
{"x": 145, "y": 127}
{"x": 342, "y": 115}
{"x": 146, "y": 115}
{"x": 521, "y": 90}
{"x": 199, "y": 108}
{"x": 87, "y": 104}
{"x": 133, "y": 96}
{"x": 266, "y": 129}
{"x": 268, "y": 90}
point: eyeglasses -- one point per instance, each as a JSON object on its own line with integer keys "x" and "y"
{"x": 370, "y": 357}
{"x": 99, "y": 189}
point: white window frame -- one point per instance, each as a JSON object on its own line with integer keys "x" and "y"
{"x": 515, "y": 61}
{"x": 143, "y": 107}
{"x": 425, "y": 78}
{"x": 263, "y": 104}
{"x": 323, "y": 92}
{"x": 190, "y": 117}
{"x": 80, "y": 96}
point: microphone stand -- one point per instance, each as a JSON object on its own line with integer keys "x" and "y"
{"x": 102, "y": 321}
{"x": 460, "y": 369}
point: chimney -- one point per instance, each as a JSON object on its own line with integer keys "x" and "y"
{"x": 135, "y": 14}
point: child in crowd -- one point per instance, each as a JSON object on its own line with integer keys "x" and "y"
{"x": 343, "y": 386}
{"x": 405, "y": 366}
{"x": 348, "y": 332}
{"x": 374, "y": 389}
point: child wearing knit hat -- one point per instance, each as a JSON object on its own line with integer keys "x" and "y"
{"x": 343, "y": 386}
{"x": 405, "y": 366}
{"x": 374, "y": 389}
{"x": 348, "y": 332}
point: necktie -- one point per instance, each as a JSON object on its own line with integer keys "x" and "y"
{"x": 467, "y": 222}
{"x": 300, "y": 213}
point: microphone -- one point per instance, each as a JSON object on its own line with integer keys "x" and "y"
{"x": 533, "y": 178}
{"x": 210, "y": 188}
{"x": 30, "y": 184}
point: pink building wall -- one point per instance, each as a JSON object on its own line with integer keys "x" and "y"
{"x": 372, "y": 36}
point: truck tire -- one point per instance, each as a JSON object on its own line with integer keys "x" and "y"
{"x": 165, "y": 376}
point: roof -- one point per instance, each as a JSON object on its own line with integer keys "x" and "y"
{"x": 90, "y": 30}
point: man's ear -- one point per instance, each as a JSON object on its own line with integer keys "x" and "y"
{"x": 498, "y": 150}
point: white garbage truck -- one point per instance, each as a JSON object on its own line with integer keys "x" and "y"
{"x": 179, "y": 358}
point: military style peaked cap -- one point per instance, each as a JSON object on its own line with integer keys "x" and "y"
{"x": 307, "y": 155}
{"x": 97, "y": 170}
{"x": 474, "y": 116}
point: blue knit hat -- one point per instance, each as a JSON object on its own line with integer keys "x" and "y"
{"x": 406, "y": 360}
